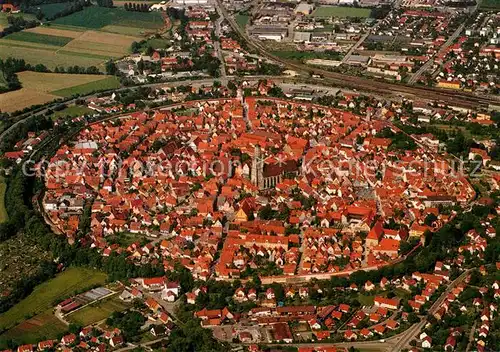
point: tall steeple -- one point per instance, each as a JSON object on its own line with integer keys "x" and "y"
{"x": 257, "y": 176}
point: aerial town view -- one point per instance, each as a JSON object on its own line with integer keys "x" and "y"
{"x": 249, "y": 175}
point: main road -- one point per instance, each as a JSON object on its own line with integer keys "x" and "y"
{"x": 459, "y": 98}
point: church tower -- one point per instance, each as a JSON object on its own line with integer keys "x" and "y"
{"x": 257, "y": 176}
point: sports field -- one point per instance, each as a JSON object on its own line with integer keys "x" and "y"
{"x": 48, "y": 294}
{"x": 97, "y": 311}
{"x": 41, "y": 327}
{"x": 341, "y": 11}
{"x": 73, "y": 111}
{"x": 40, "y": 88}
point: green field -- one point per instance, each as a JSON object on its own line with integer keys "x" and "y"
{"x": 39, "y": 38}
{"x": 98, "y": 17}
{"x": 242, "y": 20}
{"x": 48, "y": 294}
{"x": 3, "y": 211}
{"x": 103, "y": 84}
{"x": 157, "y": 43}
{"x": 47, "y": 57}
{"x": 50, "y": 10}
{"x": 132, "y": 31}
{"x": 97, "y": 311}
{"x": 73, "y": 111}
{"x": 341, "y": 11}
{"x": 490, "y": 5}
{"x": 41, "y": 327}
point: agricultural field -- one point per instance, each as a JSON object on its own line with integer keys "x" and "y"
{"x": 39, "y": 38}
{"x": 46, "y": 295}
{"x": 65, "y": 47}
{"x": 41, "y": 327}
{"x": 50, "y": 10}
{"x": 72, "y": 111}
{"x": 97, "y": 311}
{"x": 98, "y": 17}
{"x": 97, "y": 85}
{"x": 46, "y": 55}
{"x": 341, "y": 11}
{"x": 55, "y": 31}
{"x": 86, "y": 38}
{"x": 3, "y": 211}
{"x": 41, "y": 88}
{"x": 99, "y": 43}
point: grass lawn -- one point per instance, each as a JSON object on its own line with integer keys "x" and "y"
{"x": 39, "y": 38}
{"x": 73, "y": 111}
{"x": 307, "y": 55}
{"x": 157, "y": 43}
{"x": 48, "y": 294}
{"x": 41, "y": 327}
{"x": 341, "y": 11}
{"x": 3, "y": 212}
{"x": 98, "y": 17}
{"x": 365, "y": 300}
{"x": 242, "y": 20}
{"x": 103, "y": 84}
{"x": 97, "y": 311}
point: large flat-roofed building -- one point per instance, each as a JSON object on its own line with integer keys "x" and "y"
{"x": 358, "y": 60}
{"x": 302, "y": 37}
{"x": 270, "y": 33}
{"x": 304, "y": 8}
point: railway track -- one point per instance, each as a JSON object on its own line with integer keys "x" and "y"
{"x": 460, "y": 98}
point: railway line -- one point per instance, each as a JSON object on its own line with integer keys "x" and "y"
{"x": 455, "y": 98}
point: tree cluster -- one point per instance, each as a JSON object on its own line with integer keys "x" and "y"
{"x": 129, "y": 323}
{"x": 105, "y": 3}
{"x": 17, "y": 24}
{"x": 91, "y": 70}
{"x": 68, "y": 9}
{"x": 129, "y": 6}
